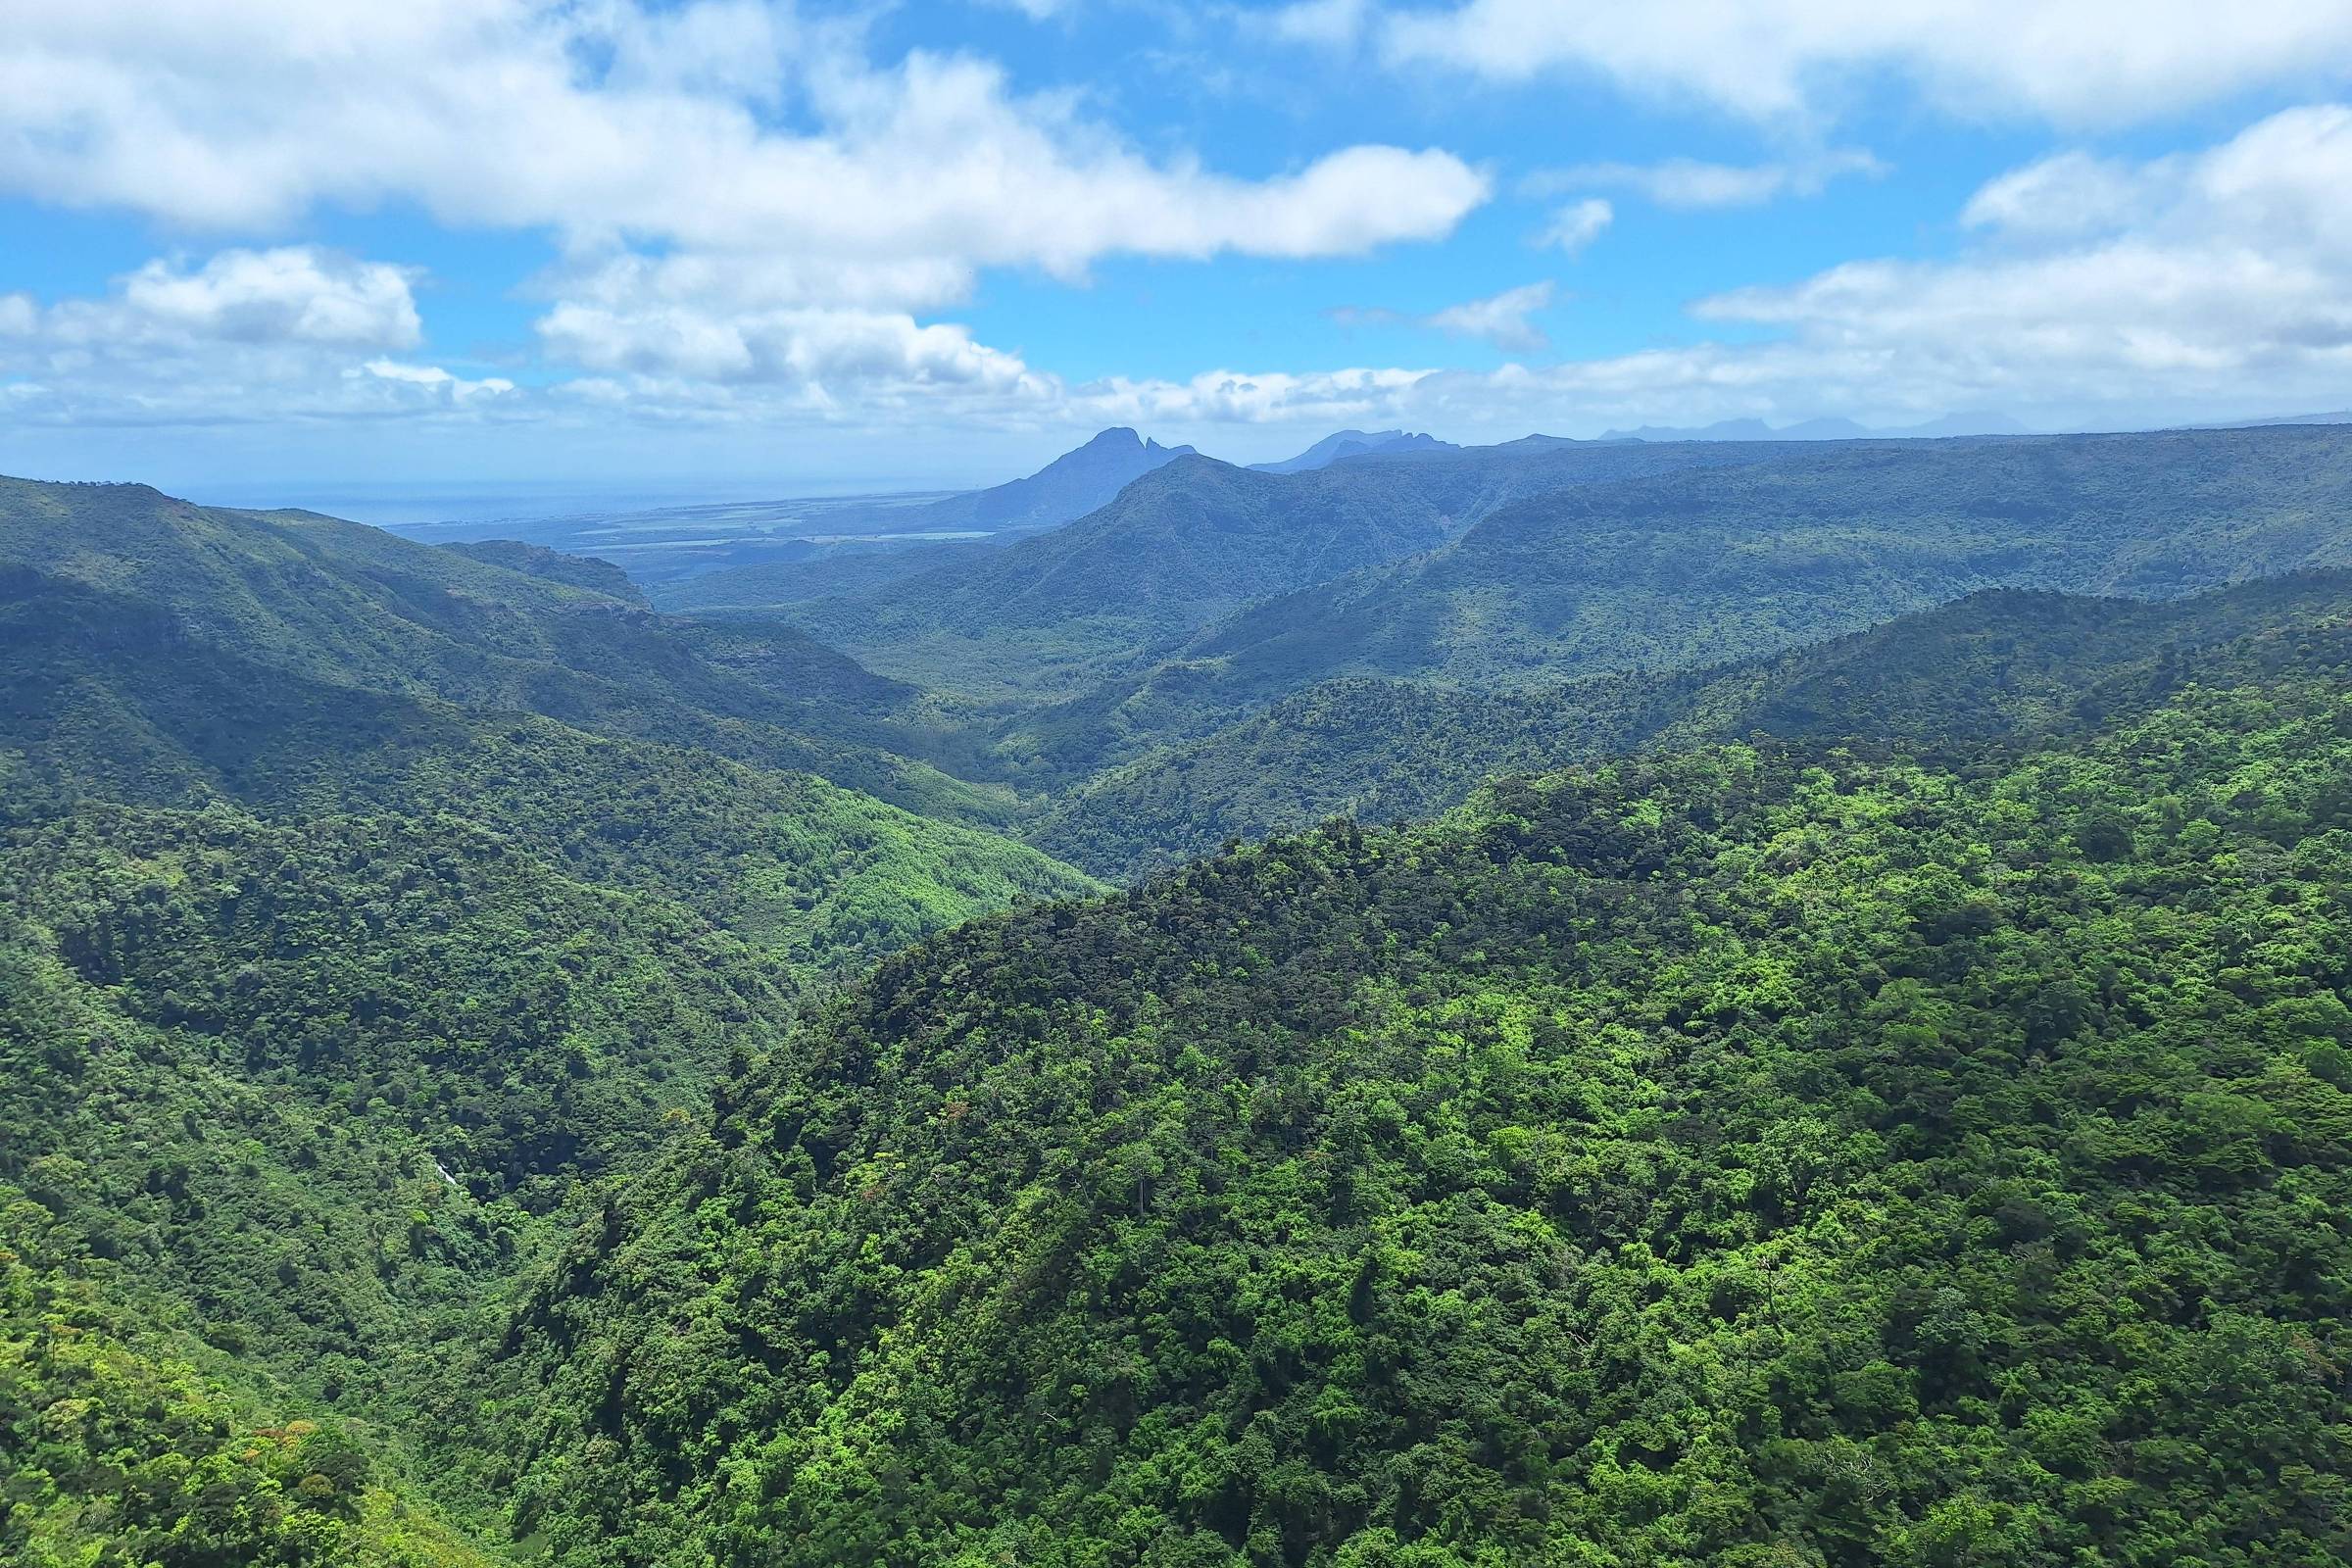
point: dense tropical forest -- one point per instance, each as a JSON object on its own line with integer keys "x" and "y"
{"x": 1629, "y": 1004}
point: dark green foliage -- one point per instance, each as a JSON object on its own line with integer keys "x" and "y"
{"x": 97, "y": 569}
{"x": 1729, "y": 1158}
{"x": 319, "y": 1081}
{"x": 538, "y": 561}
{"x": 1182, "y": 546}
{"x": 118, "y": 1452}
{"x": 120, "y": 707}
{"x": 2000, "y": 665}
{"x": 1698, "y": 567}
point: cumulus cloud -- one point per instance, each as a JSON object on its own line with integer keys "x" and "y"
{"x": 2072, "y": 193}
{"x": 2099, "y": 291}
{"x": 817, "y": 349}
{"x": 2106, "y": 291}
{"x": 455, "y": 389}
{"x": 1687, "y": 184}
{"x": 296, "y": 294}
{"x": 2230, "y": 263}
{"x": 2084, "y": 62}
{"x": 622, "y": 121}
{"x": 1576, "y": 225}
{"x": 245, "y": 335}
{"x": 743, "y": 195}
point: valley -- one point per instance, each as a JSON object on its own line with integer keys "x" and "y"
{"x": 1561, "y": 1002}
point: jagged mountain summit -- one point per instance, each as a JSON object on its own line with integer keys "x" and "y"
{"x": 1343, "y": 444}
{"x": 1063, "y": 491}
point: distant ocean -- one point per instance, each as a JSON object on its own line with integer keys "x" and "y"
{"x": 398, "y": 504}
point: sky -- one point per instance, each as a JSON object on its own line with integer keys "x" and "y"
{"x": 281, "y": 246}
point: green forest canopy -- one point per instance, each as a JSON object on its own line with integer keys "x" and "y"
{"x": 468, "y": 1094}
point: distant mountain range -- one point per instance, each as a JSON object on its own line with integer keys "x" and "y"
{"x": 1183, "y": 546}
{"x": 1063, "y": 491}
{"x": 1346, "y": 444}
{"x": 1951, "y": 424}
{"x": 2339, "y": 417}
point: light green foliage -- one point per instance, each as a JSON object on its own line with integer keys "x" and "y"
{"x": 119, "y": 1451}
{"x": 462, "y": 1055}
{"x": 361, "y": 907}
{"x": 1737, "y": 1158}
{"x": 1995, "y": 668}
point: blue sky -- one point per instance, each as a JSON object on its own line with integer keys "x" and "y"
{"x": 263, "y": 245}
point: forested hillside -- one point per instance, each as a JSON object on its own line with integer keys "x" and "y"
{"x": 362, "y": 904}
{"x": 1185, "y": 544}
{"x": 493, "y": 1073}
{"x": 318, "y": 1094}
{"x": 118, "y": 1451}
{"x": 1740, "y": 1156}
{"x": 2004, "y": 664}
{"x": 1713, "y": 562}
{"x": 339, "y": 603}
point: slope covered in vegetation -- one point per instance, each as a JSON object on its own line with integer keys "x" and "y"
{"x": 336, "y": 966}
{"x": 1998, "y": 666}
{"x": 1697, "y": 567}
{"x": 97, "y": 569}
{"x": 120, "y": 1450}
{"x": 342, "y": 701}
{"x": 1734, "y": 1157}
{"x": 1179, "y": 548}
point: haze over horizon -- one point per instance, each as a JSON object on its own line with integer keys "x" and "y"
{"x": 754, "y": 245}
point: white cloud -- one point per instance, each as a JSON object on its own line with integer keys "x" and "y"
{"x": 2214, "y": 280}
{"x": 1687, "y": 184}
{"x": 293, "y": 295}
{"x": 2230, "y": 266}
{"x": 1501, "y": 319}
{"x": 297, "y": 293}
{"x": 1233, "y": 397}
{"x": 2086, "y": 62}
{"x": 617, "y": 122}
{"x": 1577, "y": 225}
{"x": 454, "y": 388}
{"x": 744, "y": 197}
{"x": 2070, "y": 194}
{"x": 292, "y": 332}
{"x": 820, "y": 351}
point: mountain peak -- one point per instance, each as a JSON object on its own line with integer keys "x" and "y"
{"x": 1343, "y": 444}
{"x": 1119, "y": 441}
{"x": 1067, "y": 488}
